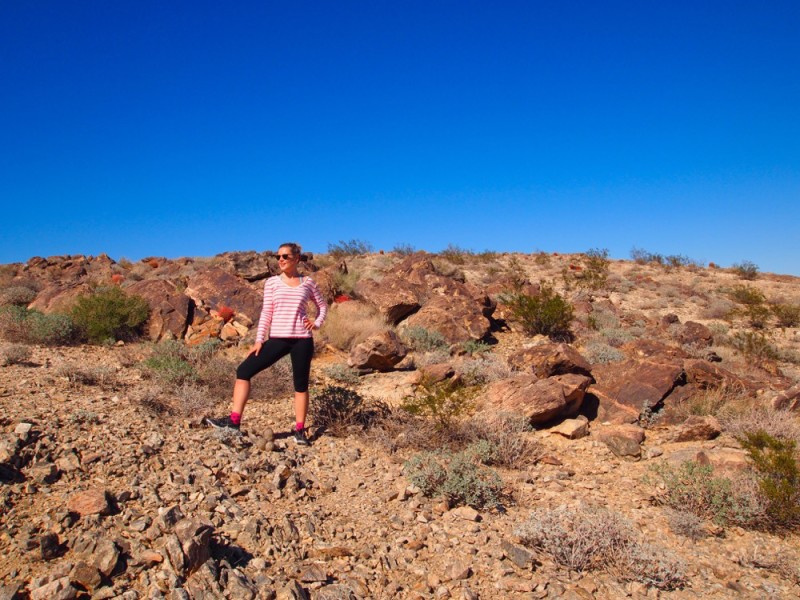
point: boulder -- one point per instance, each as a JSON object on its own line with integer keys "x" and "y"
{"x": 623, "y": 440}
{"x": 216, "y": 287}
{"x": 169, "y": 308}
{"x": 627, "y": 388}
{"x": 394, "y": 297}
{"x": 787, "y": 399}
{"x": 551, "y": 359}
{"x": 695, "y": 334}
{"x": 60, "y": 295}
{"x": 457, "y": 318}
{"x": 572, "y": 429}
{"x": 380, "y": 352}
{"x": 705, "y": 375}
{"x": 697, "y": 428}
{"x": 538, "y": 400}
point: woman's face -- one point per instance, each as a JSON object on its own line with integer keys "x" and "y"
{"x": 290, "y": 262}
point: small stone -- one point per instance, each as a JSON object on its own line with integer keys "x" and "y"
{"x": 90, "y": 502}
{"x": 467, "y": 513}
{"x": 49, "y": 546}
{"x": 60, "y": 589}
{"x": 87, "y": 576}
{"x": 459, "y": 570}
{"x": 572, "y": 429}
{"x": 313, "y": 573}
{"x": 106, "y": 556}
{"x": 519, "y": 555}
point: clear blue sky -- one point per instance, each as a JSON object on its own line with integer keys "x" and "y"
{"x": 193, "y": 128}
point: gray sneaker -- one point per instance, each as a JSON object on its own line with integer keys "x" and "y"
{"x": 300, "y": 437}
{"x": 223, "y": 423}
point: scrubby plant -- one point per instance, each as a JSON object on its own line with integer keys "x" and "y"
{"x": 456, "y": 254}
{"x": 87, "y": 374}
{"x": 443, "y": 402}
{"x": 484, "y": 368}
{"x": 354, "y": 247}
{"x": 746, "y": 270}
{"x": 546, "y": 313}
{"x": 541, "y": 258}
{"x": 745, "y": 294}
{"x": 751, "y": 418}
{"x": 344, "y": 282}
{"x": 169, "y": 363}
{"x": 404, "y": 249}
{"x": 337, "y": 409}
{"x": 753, "y": 345}
{"x": 350, "y": 323}
{"x": 695, "y": 488}
{"x": 17, "y": 295}
{"x": 19, "y": 324}
{"x": 595, "y": 271}
{"x": 458, "y": 477}
{"x": 421, "y": 339}
{"x": 473, "y": 347}
{"x": 786, "y": 315}
{"x": 342, "y": 373}
{"x": 775, "y": 462}
{"x": 597, "y": 352}
{"x": 584, "y": 539}
{"x": 686, "y": 524}
{"x": 110, "y": 313}
{"x": 14, "y": 354}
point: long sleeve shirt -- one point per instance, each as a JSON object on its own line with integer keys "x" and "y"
{"x": 284, "y": 309}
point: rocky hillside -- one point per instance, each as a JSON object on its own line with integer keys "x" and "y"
{"x": 607, "y": 459}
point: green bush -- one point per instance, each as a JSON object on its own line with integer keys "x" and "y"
{"x": 456, "y": 477}
{"x": 595, "y": 271}
{"x": 404, "y": 249}
{"x": 787, "y": 315}
{"x": 110, "y": 313}
{"x": 18, "y": 324}
{"x": 775, "y": 462}
{"x": 455, "y": 254}
{"x": 342, "y": 373}
{"x": 443, "y": 402}
{"x": 746, "y": 270}
{"x": 754, "y": 345}
{"x": 745, "y": 294}
{"x": 547, "y": 313}
{"x": 170, "y": 364}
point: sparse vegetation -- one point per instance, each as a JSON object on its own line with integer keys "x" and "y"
{"x": 337, "y": 410}
{"x": 19, "y": 324}
{"x": 443, "y": 402}
{"x": 595, "y": 272}
{"x": 354, "y": 247}
{"x": 17, "y": 295}
{"x": 458, "y": 477}
{"x": 547, "y": 313}
{"x": 14, "y": 354}
{"x": 341, "y": 373}
{"x": 584, "y": 539}
{"x": 110, "y": 314}
{"x": 786, "y": 315}
{"x": 350, "y": 323}
{"x": 420, "y": 339}
{"x": 746, "y": 270}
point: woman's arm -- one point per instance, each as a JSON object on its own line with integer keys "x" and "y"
{"x": 322, "y": 306}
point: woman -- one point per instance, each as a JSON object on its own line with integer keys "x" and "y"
{"x": 284, "y": 318}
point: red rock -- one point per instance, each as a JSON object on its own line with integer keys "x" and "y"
{"x": 538, "y": 400}
{"x": 551, "y": 359}
{"x": 89, "y": 502}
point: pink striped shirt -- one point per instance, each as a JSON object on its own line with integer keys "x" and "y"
{"x": 285, "y": 308}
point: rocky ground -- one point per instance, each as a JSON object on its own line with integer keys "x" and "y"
{"x": 109, "y": 491}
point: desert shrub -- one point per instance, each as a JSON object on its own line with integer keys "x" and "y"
{"x": 18, "y": 324}
{"x": 597, "y": 352}
{"x": 710, "y": 402}
{"x": 110, "y": 313}
{"x": 718, "y": 308}
{"x": 500, "y": 446}
{"x": 354, "y": 247}
{"x": 686, "y": 524}
{"x": 344, "y": 282}
{"x": 404, "y": 249}
{"x": 541, "y": 258}
{"x": 595, "y": 272}
{"x": 458, "y": 477}
{"x": 745, "y": 294}
{"x": 787, "y": 315}
{"x": 695, "y": 488}
{"x": 192, "y": 398}
{"x": 342, "y": 373}
{"x": 585, "y": 539}
{"x": 434, "y": 357}
{"x": 421, "y": 339}
{"x": 169, "y": 364}
{"x": 483, "y": 369}
{"x": 547, "y": 313}
{"x": 753, "y": 345}
{"x": 337, "y": 410}
{"x": 745, "y": 270}
{"x": 778, "y": 423}
{"x": 455, "y": 254}
{"x": 443, "y": 402}
{"x": 17, "y": 295}
{"x": 14, "y": 354}
{"x": 775, "y": 462}
{"x": 473, "y": 347}
{"x": 350, "y": 323}
{"x": 87, "y": 374}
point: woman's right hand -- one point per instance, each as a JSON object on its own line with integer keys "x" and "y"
{"x": 256, "y": 348}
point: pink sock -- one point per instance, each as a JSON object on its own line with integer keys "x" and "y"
{"x": 300, "y": 426}
{"x": 236, "y": 418}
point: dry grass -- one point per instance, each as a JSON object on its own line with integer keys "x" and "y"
{"x": 14, "y": 354}
{"x": 350, "y": 323}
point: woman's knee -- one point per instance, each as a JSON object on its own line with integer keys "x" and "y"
{"x": 244, "y": 371}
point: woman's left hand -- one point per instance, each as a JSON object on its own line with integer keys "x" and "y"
{"x": 308, "y": 323}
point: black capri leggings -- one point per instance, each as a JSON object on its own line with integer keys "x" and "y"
{"x": 274, "y": 349}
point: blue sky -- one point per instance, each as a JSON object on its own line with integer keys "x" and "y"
{"x": 193, "y": 128}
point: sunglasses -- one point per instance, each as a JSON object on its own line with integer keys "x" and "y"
{"x": 284, "y": 256}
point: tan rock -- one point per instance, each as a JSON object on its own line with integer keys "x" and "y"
{"x": 538, "y": 400}
{"x": 90, "y": 502}
{"x": 380, "y": 352}
{"x": 572, "y": 429}
{"x": 697, "y": 428}
{"x": 550, "y": 359}
{"x": 623, "y": 440}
